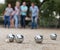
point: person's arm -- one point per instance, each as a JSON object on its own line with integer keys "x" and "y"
{"x": 37, "y": 12}
{"x": 11, "y": 12}
{"x": 30, "y": 12}
{"x": 4, "y": 13}
{"x": 16, "y": 11}
{"x": 24, "y": 10}
{"x": 30, "y": 9}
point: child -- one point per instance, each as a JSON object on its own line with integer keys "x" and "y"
{"x": 12, "y": 18}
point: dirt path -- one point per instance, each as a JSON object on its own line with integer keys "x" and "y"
{"x": 29, "y": 43}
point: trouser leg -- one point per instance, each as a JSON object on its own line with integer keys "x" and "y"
{"x": 36, "y": 22}
{"x": 5, "y": 21}
{"x": 16, "y": 21}
{"x": 8, "y": 22}
{"x": 32, "y": 22}
{"x": 23, "y": 21}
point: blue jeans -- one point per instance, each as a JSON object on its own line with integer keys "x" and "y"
{"x": 7, "y": 21}
{"x": 16, "y": 21}
{"x": 34, "y": 22}
{"x": 23, "y": 21}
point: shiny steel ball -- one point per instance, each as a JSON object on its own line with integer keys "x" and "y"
{"x": 10, "y": 37}
{"x": 53, "y": 36}
{"x": 19, "y": 38}
{"x": 38, "y": 38}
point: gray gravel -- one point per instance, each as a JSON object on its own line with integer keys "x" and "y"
{"x": 29, "y": 43}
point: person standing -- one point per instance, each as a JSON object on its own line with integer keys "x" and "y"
{"x": 12, "y": 19}
{"x": 23, "y": 9}
{"x": 7, "y": 15}
{"x": 17, "y": 14}
{"x": 34, "y": 15}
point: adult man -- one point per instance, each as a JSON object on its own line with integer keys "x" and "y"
{"x": 23, "y": 9}
{"x": 34, "y": 15}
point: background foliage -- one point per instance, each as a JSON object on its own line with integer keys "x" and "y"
{"x": 47, "y": 7}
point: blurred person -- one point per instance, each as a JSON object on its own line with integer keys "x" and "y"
{"x": 7, "y": 15}
{"x": 12, "y": 18}
{"x": 17, "y": 14}
{"x": 23, "y": 9}
{"x": 34, "y": 14}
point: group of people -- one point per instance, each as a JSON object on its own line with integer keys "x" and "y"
{"x": 18, "y": 15}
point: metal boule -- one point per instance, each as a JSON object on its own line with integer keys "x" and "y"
{"x": 38, "y": 38}
{"x": 53, "y": 36}
{"x": 19, "y": 38}
{"x": 10, "y": 37}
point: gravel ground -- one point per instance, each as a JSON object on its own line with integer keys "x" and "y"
{"x": 29, "y": 43}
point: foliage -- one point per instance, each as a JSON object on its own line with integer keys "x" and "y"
{"x": 47, "y": 7}
{"x": 47, "y": 17}
{"x": 2, "y": 8}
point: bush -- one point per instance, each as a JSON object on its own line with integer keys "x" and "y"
{"x": 2, "y": 8}
{"x": 46, "y": 19}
